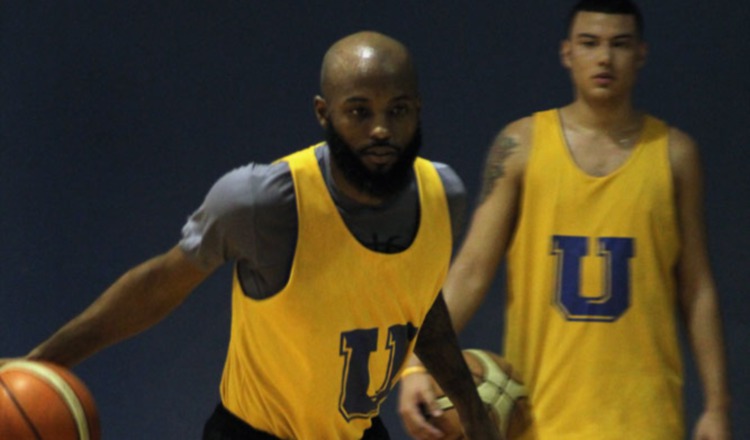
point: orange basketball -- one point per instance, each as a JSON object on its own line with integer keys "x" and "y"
{"x": 500, "y": 389}
{"x": 42, "y": 401}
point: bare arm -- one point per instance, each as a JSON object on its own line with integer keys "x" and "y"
{"x": 697, "y": 290}
{"x": 475, "y": 266}
{"x": 437, "y": 346}
{"x": 492, "y": 223}
{"x": 136, "y": 301}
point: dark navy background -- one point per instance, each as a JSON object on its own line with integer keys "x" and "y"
{"x": 117, "y": 117}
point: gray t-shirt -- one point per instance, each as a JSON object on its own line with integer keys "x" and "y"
{"x": 250, "y": 216}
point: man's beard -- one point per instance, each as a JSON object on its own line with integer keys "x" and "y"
{"x": 381, "y": 184}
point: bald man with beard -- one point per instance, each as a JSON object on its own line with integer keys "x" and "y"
{"x": 339, "y": 253}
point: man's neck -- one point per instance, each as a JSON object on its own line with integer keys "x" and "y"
{"x": 601, "y": 117}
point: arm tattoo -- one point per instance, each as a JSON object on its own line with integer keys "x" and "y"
{"x": 494, "y": 168}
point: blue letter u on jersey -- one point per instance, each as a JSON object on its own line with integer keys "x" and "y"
{"x": 356, "y": 348}
{"x": 614, "y": 300}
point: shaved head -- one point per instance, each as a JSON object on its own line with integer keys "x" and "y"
{"x": 369, "y": 107}
{"x": 366, "y": 56}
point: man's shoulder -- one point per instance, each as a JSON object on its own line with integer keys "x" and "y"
{"x": 512, "y": 144}
{"x": 455, "y": 193}
{"x": 520, "y": 131}
{"x": 452, "y": 182}
{"x": 252, "y": 185}
{"x": 683, "y": 150}
{"x": 679, "y": 138}
{"x": 679, "y": 141}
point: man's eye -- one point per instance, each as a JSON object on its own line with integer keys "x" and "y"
{"x": 400, "y": 110}
{"x": 359, "y": 112}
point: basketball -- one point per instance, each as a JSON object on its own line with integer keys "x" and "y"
{"x": 42, "y": 401}
{"x": 499, "y": 388}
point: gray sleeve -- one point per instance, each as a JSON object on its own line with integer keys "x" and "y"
{"x": 227, "y": 226}
{"x": 455, "y": 191}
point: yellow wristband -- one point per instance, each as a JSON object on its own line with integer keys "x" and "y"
{"x": 413, "y": 370}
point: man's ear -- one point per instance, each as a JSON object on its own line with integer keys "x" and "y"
{"x": 565, "y": 48}
{"x": 321, "y": 110}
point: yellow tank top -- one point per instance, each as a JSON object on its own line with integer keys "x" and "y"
{"x": 316, "y": 360}
{"x": 591, "y": 312}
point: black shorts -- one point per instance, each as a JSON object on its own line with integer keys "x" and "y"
{"x": 223, "y": 425}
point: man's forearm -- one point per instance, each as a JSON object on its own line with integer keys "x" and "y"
{"x": 136, "y": 301}
{"x": 438, "y": 349}
{"x": 707, "y": 341}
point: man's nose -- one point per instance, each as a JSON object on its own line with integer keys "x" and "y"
{"x": 381, "y": 129}
{"x": 605, "y": 55}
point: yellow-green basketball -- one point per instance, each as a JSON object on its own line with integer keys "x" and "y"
{"x": 42, "y": 401}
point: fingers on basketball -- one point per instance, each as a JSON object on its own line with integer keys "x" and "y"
{"x": 513, "y": 393}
